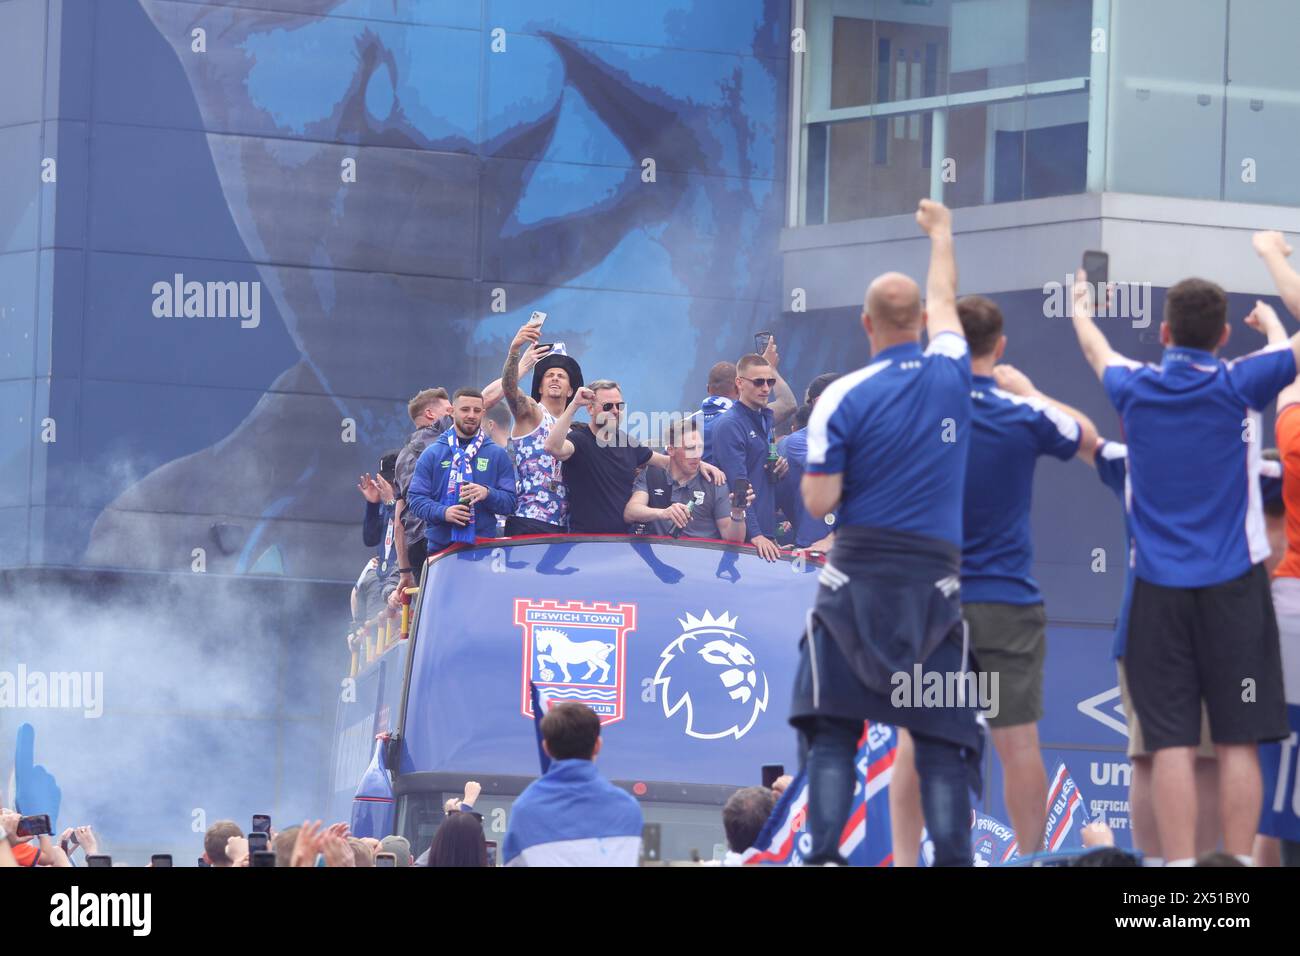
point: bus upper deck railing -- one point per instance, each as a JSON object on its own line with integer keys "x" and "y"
{"x": 368, "y": 642}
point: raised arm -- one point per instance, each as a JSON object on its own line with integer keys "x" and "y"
{"x": 783, "y": 403}
{"x": 557, "y": 444}
{"x": 1273, "y": 249}
{"x": 1096, "y": 350}
{"x": 1011, "y": 379}
{"x": 1263, "y": 319}
{"x": 941, "y": 281}
{"x": 521, "y": 406}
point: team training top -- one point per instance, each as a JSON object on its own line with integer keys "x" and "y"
{"x": 898, "y": 431}
{"x": 1008, "y": 434}
{"x": 1193, "y": 432}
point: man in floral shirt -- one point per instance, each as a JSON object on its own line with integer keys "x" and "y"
{"x": 542, "y": 505}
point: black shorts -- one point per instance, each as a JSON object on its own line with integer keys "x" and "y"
{"x": 1218, "y": 644}
{"x": 516, "y": 526}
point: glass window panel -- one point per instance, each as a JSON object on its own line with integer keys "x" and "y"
{"x": 815, "y": 172}
{"x": 874, "y": 167}
{"x": 1059, "y": 39}
{"x": 853, "y": 76}
{"x": 1056, "y": 145}
{"x": 986, "y": 144}
{"x": 988, "y": 44}
{"x": 891, "y": 51}
{"x": 848, "y": 145}
{"x": 1166, "y": 97}
{"x": 1263, "y": 121}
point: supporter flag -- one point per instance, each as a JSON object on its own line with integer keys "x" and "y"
{"x": 1067, "y": 814}
{"x": 36, "y": 791}
{"x": 994, "y": 843}
{"x": 372, "y": 807}
{"x": 866, "y": 840}
{"x": 544, "y": 760}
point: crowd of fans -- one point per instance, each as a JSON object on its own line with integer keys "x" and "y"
{"x": 570, "y": 816}
{"x": 499, "y": 462}
{"x": 734, "y": 471}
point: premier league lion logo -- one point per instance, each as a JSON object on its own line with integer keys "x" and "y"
{"x": 710, "y": 671}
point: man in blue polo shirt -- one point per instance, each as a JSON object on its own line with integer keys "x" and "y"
{"x": 1014, "y": 425}
{"x": 1201, "y": 624}
{"x": 888, "y": 444}
{"x": 744, "y": 446}
{"x": 809, "y": 532}
{"x": 462, "y": 481}
{"x": 1111, "y": 461}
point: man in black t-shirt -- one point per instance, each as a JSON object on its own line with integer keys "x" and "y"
{"x": 601, "y": 460}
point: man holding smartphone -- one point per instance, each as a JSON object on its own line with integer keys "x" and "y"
{"x": 1201, "y": 623}
{"x": 744, "y": 446}
{"x": 463, "y": 480}
{"x": 542, "y": 502}
{"x": 888, "y": 445}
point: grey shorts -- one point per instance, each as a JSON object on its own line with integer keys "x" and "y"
{"x": 1010, "y": 641}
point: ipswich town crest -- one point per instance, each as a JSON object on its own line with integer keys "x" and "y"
{"x": 575, "y": 651}
{"x": 710, "y": 672}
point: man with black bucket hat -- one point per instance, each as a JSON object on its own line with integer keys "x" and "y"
{"x": 542, "y": 505}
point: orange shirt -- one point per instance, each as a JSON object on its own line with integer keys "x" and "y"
{"x": 26, "y": 853}
{"x": 1287, "y": 429}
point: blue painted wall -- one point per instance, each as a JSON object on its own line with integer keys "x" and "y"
{"x": 519, "y": 169}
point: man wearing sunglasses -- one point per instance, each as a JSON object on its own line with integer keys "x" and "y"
{"x": 601, "y": 460}
{"x": 744, "y": 445}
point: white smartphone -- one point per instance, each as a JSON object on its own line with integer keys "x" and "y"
{"x": 537, "y": 318}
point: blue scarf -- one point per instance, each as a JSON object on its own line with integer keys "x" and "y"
{"x": 715, "y": 405}
{"x": 461, "y": 470}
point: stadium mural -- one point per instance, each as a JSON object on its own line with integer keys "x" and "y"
{"x": 296, "y": 215}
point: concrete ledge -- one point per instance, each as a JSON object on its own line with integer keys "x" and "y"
{"x": 1023, "y": 245}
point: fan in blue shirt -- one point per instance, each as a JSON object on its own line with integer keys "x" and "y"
{"x": 809, "y": 532}
{"x": 489, "y": 492}
{"x": 742, "y": 442}
{"x": 1201, "y": 621}
{"x": 1013, "y": 425}
{"x": 888, "y": 444}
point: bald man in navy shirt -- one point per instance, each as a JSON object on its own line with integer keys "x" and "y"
{"x": 888, "y": 445}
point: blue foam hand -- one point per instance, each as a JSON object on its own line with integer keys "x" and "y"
{"x": 35, "y": 789}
